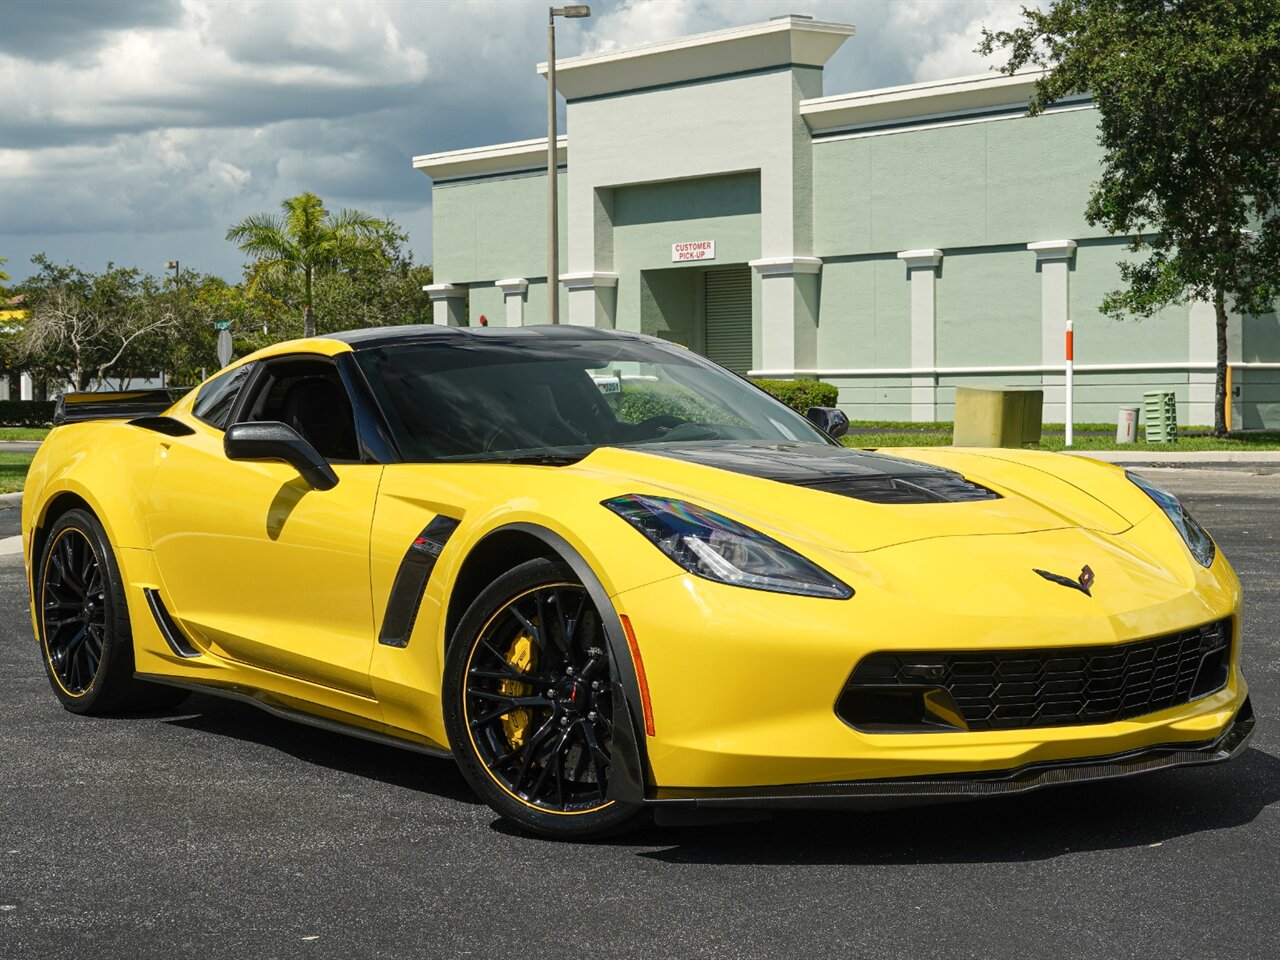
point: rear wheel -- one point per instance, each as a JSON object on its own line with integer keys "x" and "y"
{"x": 84, "y": 622}
{"x": 529, "y": 690}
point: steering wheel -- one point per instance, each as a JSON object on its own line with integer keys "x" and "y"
{"x": 656, "y": 426}
{"x": 491, "y": 438}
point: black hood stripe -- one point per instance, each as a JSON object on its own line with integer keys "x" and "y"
{"x": 861, "y": 474}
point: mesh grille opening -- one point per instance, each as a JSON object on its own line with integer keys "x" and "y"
{"x": 1009, "y": 689}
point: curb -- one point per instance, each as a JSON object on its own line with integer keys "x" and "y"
{"x": 7, "y": 498}
{"x": 1199, "y": 458}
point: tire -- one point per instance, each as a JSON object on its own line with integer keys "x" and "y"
{"x": 543, "y": 763}
{"x": 83, "y": 623}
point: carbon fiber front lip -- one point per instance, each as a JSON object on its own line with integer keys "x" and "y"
{"x": 871, "y": 794}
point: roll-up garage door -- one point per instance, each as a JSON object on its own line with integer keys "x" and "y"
{"x": 728, "y": 313}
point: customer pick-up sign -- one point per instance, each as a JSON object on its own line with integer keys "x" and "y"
{"x": 693, "y": 250}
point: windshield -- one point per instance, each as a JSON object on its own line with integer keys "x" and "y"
{"x": 555, "y": 400}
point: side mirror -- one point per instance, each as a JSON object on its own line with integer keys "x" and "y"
{"x": 272, "y": 440}
{"x": 829, "y": 420}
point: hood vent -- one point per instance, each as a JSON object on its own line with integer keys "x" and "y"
{"x": 944, "y": 488}
{"x": 846, "y": 472}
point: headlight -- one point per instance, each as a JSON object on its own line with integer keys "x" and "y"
{"x": 720, "y": 549}
{"x": 1197, "y": 537}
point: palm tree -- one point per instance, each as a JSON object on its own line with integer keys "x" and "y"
{"x": 307, "y": 240}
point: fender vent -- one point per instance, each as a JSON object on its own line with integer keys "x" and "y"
{"x": 411, "y": 581}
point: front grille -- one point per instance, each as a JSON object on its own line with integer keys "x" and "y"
{"x": 1001, "y": 690}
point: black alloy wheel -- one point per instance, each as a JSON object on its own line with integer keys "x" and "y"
{"x": 531, "y": 716}
{"x": 83, "y": 622}
{"x": 74, "y": 607}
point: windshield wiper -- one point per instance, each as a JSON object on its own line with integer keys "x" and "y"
{"x": 538, "y": 459}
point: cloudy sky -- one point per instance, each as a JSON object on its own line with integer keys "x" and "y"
{"x": 136, "y": 131}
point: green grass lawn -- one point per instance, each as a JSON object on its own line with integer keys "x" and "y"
{"x": 23, "y": 433}
{"x": 13, "y": 471}
{"x": 920, "y": 437}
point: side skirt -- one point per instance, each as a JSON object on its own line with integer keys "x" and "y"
{"x": 264, "y": 701}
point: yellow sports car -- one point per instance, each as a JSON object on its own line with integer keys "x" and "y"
{"x": 611, "y": 579}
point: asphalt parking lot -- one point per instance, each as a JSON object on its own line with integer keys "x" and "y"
{"x": 219, "y": 831}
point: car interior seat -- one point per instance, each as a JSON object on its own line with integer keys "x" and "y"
{"x": 319, "y": 410}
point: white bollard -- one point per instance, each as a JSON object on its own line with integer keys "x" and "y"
{"x": 1127, "y": 425}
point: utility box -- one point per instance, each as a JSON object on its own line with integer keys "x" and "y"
{"x": 998, "y": 416}
{"x": 1160, "y": 416}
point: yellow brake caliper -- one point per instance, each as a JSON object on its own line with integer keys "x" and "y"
{"x": 516, "y": 723}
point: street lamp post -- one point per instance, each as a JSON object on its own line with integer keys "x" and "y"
{"x": 553, "y": 198}
{"x": 177, "y": 273}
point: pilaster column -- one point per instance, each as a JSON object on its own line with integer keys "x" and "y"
{"x": 26, "y": 387}
{"x": 593, "y": 298}
{"x": 788, "y": 312}
{"x": 448, "y": 303}
{"x": 1202, "y": 347}
{"x": 513, "y": 297}
{"x": 1053, "y": 258}
{"x": 922, "y": 269}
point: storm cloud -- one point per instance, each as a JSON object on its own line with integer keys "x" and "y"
{"x": 137, "y": 130}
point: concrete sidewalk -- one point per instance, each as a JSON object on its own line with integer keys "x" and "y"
{"x": 1198, "y": 458}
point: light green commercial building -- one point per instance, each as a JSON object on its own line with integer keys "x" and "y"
{"x": 895, "y": 242}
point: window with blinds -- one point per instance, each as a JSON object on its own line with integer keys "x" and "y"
{"x": 728, "y": 317}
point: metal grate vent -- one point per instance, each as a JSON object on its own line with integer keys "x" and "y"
{"x": 924, "y": 488}
{"x": 1000, "y": 690}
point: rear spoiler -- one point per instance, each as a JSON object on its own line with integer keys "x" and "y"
{"x": 121, "y": 405}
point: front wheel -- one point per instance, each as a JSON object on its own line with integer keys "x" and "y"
{"x": 529, "y": 689}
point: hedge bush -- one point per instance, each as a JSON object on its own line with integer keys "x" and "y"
{"x": 26, "y": 413}
{"x": 801, "y": 394}
{"x": 640, "y": 401}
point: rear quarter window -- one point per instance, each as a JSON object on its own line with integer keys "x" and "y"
{"x": 217, "y": 398}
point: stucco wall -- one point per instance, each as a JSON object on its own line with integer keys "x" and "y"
{"x": 493, "y": 228}
{"x": 1000, "y": 182}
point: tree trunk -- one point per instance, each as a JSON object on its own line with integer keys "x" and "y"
{"x": 308, "y": 318}
{"x": 1220, "y": 398}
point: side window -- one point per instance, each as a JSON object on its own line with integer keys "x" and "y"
{"x": 217, "y": 398}
{"x": 308, "y": 395}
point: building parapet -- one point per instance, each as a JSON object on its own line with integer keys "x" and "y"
{"x": 847, "y": 111}
{"x": 783, "y": 41}
{"x": 520, "y": 155}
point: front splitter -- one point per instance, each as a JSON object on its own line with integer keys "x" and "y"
{"x": 909, "y": 791}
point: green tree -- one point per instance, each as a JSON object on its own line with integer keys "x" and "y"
{"x": 307, "y": 241}
{"x": 200, "y": 301}
{"x": 84, "y": 327}
{"x": 1188, "y": 96}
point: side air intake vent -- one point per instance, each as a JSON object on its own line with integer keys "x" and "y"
{"x": 171, "y": 632}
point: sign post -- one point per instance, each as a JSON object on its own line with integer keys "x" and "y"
{"x": 1070, "y": 363}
